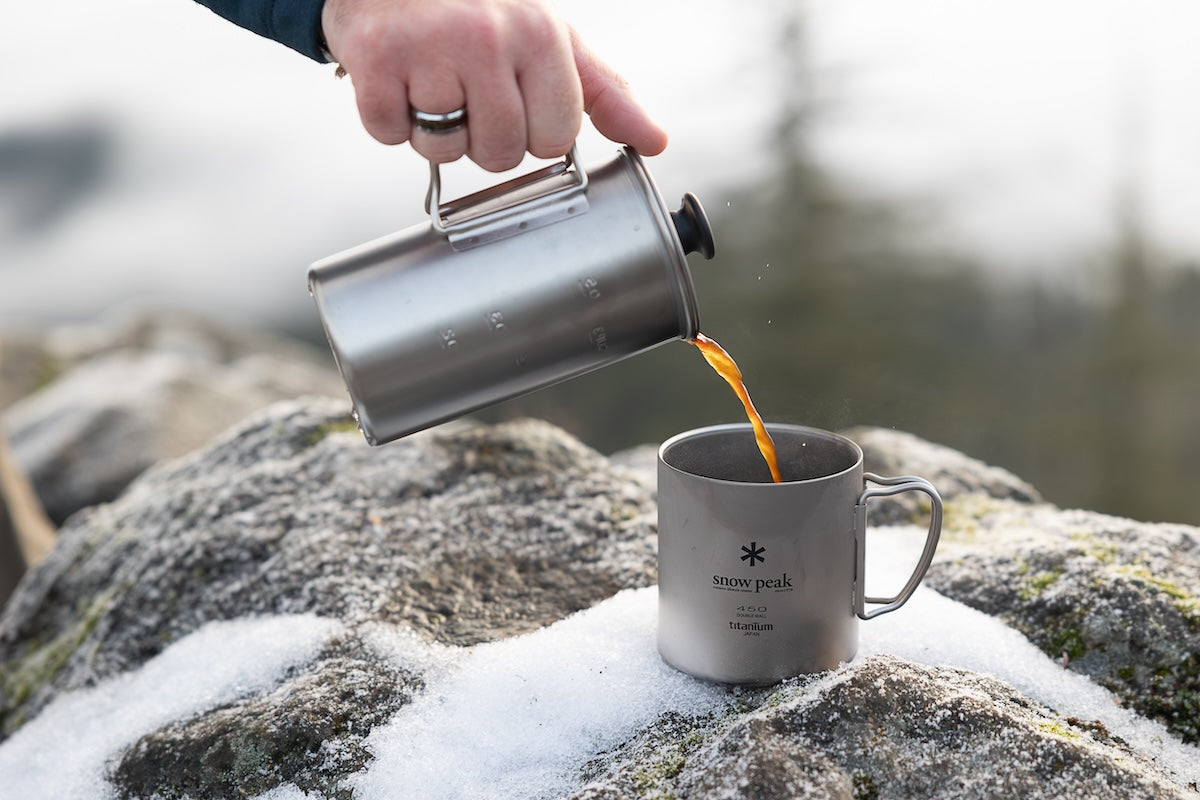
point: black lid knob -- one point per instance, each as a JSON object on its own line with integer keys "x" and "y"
{"x": 695, "y": 234}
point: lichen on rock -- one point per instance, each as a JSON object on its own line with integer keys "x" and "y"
{"x": 308, "y": 731}
{"x": 464, "y": 535}
{"x": 885, "y": 728}
{"x": 1113, "y": 599}
{"x": 460, "y": 539}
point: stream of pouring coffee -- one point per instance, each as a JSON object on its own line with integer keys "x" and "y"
{"x": 721, "y": 361}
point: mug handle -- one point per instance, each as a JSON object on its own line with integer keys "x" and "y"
{"x": 891, "y": 486}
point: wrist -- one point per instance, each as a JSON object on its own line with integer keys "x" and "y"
{"x": 326, "y": 24}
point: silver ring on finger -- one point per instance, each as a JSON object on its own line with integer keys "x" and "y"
{"x": 449, "y": 122}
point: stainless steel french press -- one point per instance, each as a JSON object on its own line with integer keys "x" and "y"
{"x": 530, "y": 282}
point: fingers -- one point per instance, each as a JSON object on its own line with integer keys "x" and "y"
{"x": 523, "y": 94}
{"x": 522, "y": 74}
{"x": 552, "y": 95}
{"x": 611, "y": 105}
{"x": 360, "y": 44}
{"x": 497, "y": 130}
{"x": 436, "y": 91}
{"x": 515, "y": 75}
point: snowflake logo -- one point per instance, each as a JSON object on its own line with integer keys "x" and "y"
{"x": 753, "y": 553}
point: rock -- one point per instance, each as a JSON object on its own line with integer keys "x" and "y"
{"x": 885, "y": 728}
{"x": 1114, "y": 599}
{"x": 642, "y": 464}
{"x": 457, "y": 539}
{"x": 892, "y": 453}
{"x": 465, "y": 534}
{"x": 108, "y": 402}
{"x": 218, "y": 754}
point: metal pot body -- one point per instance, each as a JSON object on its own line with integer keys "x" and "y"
{"x": 524, "y": 285}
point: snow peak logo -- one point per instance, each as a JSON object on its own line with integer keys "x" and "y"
{"x": 781, "y": 584}
{"x": 753, "y": 553}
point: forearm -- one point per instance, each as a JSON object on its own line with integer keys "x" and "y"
{"x": 295, "y": 23}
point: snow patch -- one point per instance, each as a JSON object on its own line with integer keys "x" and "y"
{"x": 63, "y": 752}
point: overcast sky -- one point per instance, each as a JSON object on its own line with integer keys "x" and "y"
{"x": 236, "y": 163}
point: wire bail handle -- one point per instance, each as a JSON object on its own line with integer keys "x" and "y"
{"x": 892, "y": 486}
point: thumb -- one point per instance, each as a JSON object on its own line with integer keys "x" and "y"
{"x": 610, "y": 103}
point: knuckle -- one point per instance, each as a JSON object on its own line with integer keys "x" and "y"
{"x": 483, "y": 36}
{"x": 538, "y": 27}
{"x": 383, "y": 129}
{"x": 550, "y": 149}
{"x": 554, "y": 136}
{"x": 388, "y": 136}
{"x": 498, "y": 144}
{"x": 437, "y": 151}
{"x": 499, "y": 162}
{"x": 382, "y": 121}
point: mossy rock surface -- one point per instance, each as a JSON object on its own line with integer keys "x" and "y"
{"x": 469, "y": 535}
{"x": 1112, "y": 598}
{"x": 464, "y": 534}
{"x": 884, "y": 729}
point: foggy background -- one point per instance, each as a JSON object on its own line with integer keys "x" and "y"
{"x": 970, "y": 220}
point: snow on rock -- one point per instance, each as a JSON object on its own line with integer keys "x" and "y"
{"x": 1114, "y": 599}
{"x": 471, "y": 612}
{"x": 63, "y": 752}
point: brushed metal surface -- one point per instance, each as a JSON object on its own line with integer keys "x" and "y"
{"x": 423, "y": 332}
{"x": 758, "y": 580}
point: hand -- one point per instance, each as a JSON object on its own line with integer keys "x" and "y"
{"x": 523, "y": 74}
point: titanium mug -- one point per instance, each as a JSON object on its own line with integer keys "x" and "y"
{"x": 527, "y": 283}
{"x": 761, "y": 581}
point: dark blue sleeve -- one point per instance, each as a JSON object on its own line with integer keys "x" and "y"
{"x": 295, "y": 23}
